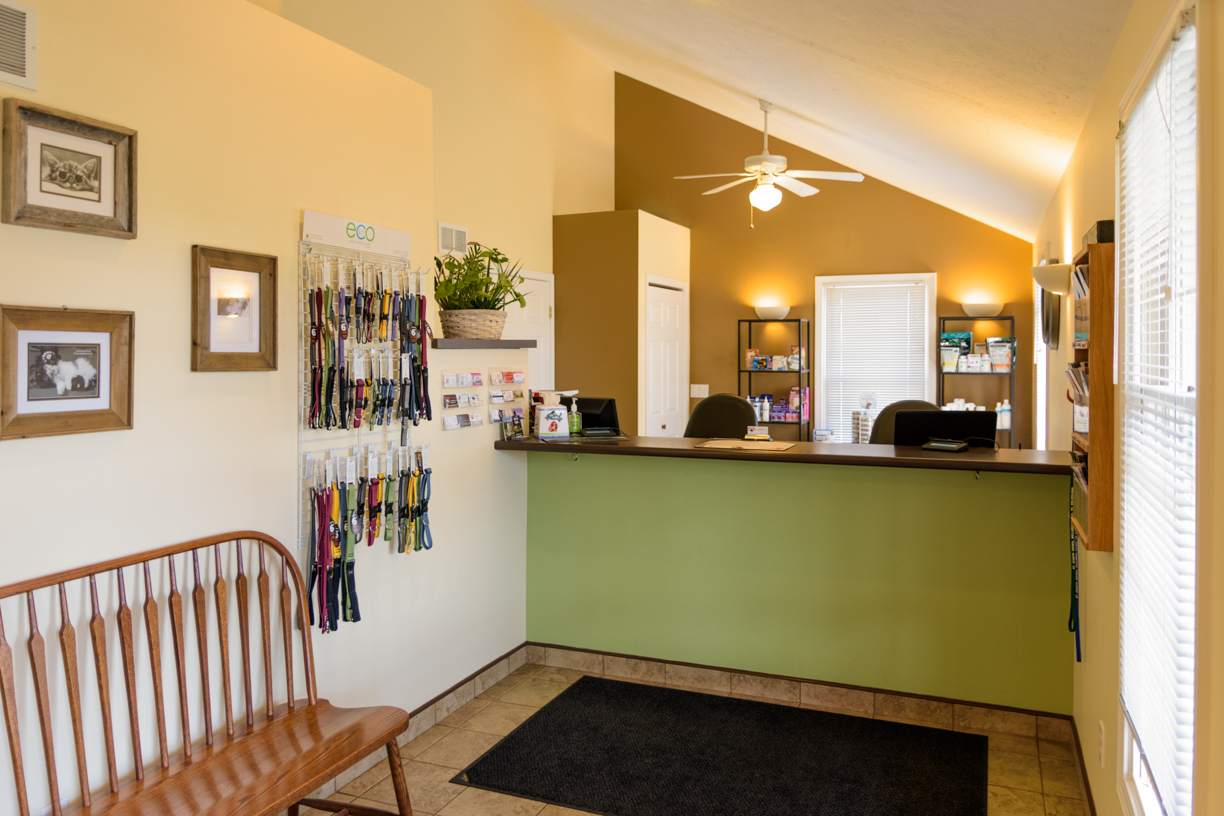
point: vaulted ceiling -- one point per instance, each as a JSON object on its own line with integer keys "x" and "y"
{"x": 973, "y": 105}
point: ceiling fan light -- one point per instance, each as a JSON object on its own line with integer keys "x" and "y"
{"x": 765, "y": 197}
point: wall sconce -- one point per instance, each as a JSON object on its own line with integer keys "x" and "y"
{"x": 1054, "y": 278}
{"x": 982, "y": 309}
{"x": 772, "y": 312}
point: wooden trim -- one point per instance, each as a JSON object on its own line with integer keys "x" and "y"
{"x": 1102, "y": 488}
{"x": 790, "y": 678}
{"x": 1083, "y": 769}
{"x": 467, "y": 679}
{"x": 14, "y": 207}
{"x": 120, "y": 326}
{"x": 203, "y": 259}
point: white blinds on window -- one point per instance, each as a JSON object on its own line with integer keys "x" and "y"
{"x": 1157, "y": 310}
{"x": 875, "y": 337}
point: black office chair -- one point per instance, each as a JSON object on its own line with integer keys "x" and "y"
{"x": 884, "y": 429}
{"x": 722, "y": 416}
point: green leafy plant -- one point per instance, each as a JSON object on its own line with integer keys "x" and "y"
{"x": 482, "y": 278}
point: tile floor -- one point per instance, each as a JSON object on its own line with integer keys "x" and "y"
{"x": 1033, "y": 767}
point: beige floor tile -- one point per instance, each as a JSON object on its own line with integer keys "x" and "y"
{"x": 585, "y": 662}
{"x": 515, "y": 661}
{"x": 464, "y": 714}
{"x": 367, "y": 780}
{"x": 1062, "y": 751}
{"x": 424, "y": 741}
{"x": 458, "y": 749}
{"x": 1060, "y": 778}
{"x": 627, "y": 668}
{"x": 558, "y": 675}
{"x": 537, "y": 655}
{"x": 335, "y": 797}
{"x": 429, "y": 787}
{"x": 557, "y": 810}
{"x": 632, "y": 680}
{"x": 849, "y": 712}
{"x": 1010, "y": 802}
{"x": 1062, "y": 806}
{"x": 534, "y": 692}
{"x": 700, "y": 690}
{"x": 526, "y": 670}
{"x": 495, "y": 691}
{"x": 770, "y": 700}
{"x": 499, "y": 718}
{"x": 490, "y": 676}
{"x": 693, "y": 677}
{"x": 383, "y": 805}
{"x": 1055, "y": 729}
{"x": 1019, "y": 771}
{"x": 477, "y": 802}
{"x": 421, "y": 722}
{"x": 830, "y": 698}
{"x": 992, "y": 719}
{"x": 929, "y": 712}
{"x": 1006, "y": 742}
{"x": 454, "y": 701}
{"x": 772, "y": 688}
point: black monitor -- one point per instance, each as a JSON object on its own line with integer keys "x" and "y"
{"x": 598, "y": 413}
{"x": 977, "y": 428}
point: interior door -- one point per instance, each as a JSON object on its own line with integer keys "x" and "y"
{"x": 535, "y": 322}
{"x": 666, "y": 402}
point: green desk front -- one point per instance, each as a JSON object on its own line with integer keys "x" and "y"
{"x": 949, "y": 583}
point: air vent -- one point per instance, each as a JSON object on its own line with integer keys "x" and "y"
{"x": 452, "y": 238}
{"x": 18, "y": 34}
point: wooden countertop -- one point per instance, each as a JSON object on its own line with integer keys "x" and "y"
{"x": 821, "y": 453}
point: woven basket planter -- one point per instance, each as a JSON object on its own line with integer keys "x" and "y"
{"x": 473, "y": 324}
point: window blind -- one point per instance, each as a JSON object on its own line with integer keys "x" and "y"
{"x": 1157, "y": 312}
{"x": 875, "y": 337}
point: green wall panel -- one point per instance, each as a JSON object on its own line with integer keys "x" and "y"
{"x": 921, "y": 581}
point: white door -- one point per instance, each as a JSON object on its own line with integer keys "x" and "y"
{"x": 665, "y": 370}
{"x": 535, "y": 322}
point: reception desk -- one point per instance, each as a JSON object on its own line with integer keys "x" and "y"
{"x": 886, "y": 568}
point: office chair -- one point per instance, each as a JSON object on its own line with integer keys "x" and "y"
{"x": 884, "y": 429}
{"x": 722, "y": 416}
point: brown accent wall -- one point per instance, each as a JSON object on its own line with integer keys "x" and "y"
{"x": 847, "y": 229}
{"x": 595, "y": 256}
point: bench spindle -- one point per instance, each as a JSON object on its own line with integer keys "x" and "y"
{"x": 199, "y": 603}
{"x": 126, "y": 648}
{"x": 265, "y": 614}
{"x": 97, "y": 634}
{"x": 151, "y": 628}
{"x": 244, "y": 633}
{"x": 180, "y": 657}
{"x": 72, "y": 678}
{"x": 219, "y": 592}
{"x": 8, "y": 693}
{"x": 286, "y": 598}
{"x": 38, "y": 665}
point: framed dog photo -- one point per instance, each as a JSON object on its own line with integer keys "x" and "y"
{"x": 64, "y": 371}
{"x": 67, "y": 172}
{"x": 233, "y": 310}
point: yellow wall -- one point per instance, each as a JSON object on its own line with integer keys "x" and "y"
{"x": 1087, "y": 194}
{"x": 523, "y": 117}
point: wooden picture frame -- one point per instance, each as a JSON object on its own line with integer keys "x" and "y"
{"x": 67, "y": 172}
{"x": 228, "y": 334}
{"x": 84, "y": 356}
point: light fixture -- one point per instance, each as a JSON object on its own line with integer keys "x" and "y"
{"x": 772, "y": 312}
{"x": 982, "y": 309}
{"x": 1054, "y": 278}
{"x": 765, "y": 196}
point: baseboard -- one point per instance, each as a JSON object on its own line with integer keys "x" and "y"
{"x": 1079, "y": 752}
{"x": 467, "y": 679}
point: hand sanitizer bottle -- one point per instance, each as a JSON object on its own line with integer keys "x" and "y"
{"x": 1005, "y": 416}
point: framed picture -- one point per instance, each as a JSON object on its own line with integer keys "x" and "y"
{"x": 233, "y": 310}
{"x": 64, "y": 371}
{"x": 67, "y": 172}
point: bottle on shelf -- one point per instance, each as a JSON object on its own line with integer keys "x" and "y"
{"x": 1005, "y": 416}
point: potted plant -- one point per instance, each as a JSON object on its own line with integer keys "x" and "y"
{"x": 473, "y": 291}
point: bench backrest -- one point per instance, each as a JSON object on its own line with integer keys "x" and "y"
{"x": 215, "y": 567}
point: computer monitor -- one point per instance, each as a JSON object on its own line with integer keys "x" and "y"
{"x": 977, "y": 428}
{"x": 597, "y": 412}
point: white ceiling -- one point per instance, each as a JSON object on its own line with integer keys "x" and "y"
{"x": 973, "y": 105}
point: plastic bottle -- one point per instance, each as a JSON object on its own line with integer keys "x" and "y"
{"x": 1005, "y": 416}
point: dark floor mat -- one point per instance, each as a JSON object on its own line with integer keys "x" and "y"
{"x": 626, "y": 749}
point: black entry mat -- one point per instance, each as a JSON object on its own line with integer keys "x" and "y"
{"x": 625, "y": 749}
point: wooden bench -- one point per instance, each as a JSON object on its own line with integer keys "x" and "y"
{"x": 263, "y": 763}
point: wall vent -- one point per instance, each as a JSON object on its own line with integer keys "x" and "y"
{"x": 451, "y": 238}
{"x": 18, "y": 35}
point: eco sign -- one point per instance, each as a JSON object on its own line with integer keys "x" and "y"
{"x": 361, "y": 232}
{"x": 332, "y": 230}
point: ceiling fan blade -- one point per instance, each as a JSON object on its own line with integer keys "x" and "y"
{"x": 728, "y": 186}
{"x": 825, "y": 174}
{"x": 795, "y": 186}
{"x": 714, "y": 175}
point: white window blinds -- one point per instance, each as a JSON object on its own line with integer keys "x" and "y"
{"x": 1157, "y": 310}
{"x": 876, "y": 335}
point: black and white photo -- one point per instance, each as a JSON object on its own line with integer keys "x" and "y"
{"x": 62, "y": 371}
{"x": 233, "y": 306}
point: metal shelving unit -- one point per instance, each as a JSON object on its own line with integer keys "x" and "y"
{"x": 803, "y": 337}
{"x": 1010, "y": 375}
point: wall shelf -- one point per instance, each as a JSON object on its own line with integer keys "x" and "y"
{"x": 464, "y": 343}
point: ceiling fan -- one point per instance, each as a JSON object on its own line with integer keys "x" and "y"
{"x": 769, "y": 172}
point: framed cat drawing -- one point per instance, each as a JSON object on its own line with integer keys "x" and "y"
{"x": 67, "y": 172}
